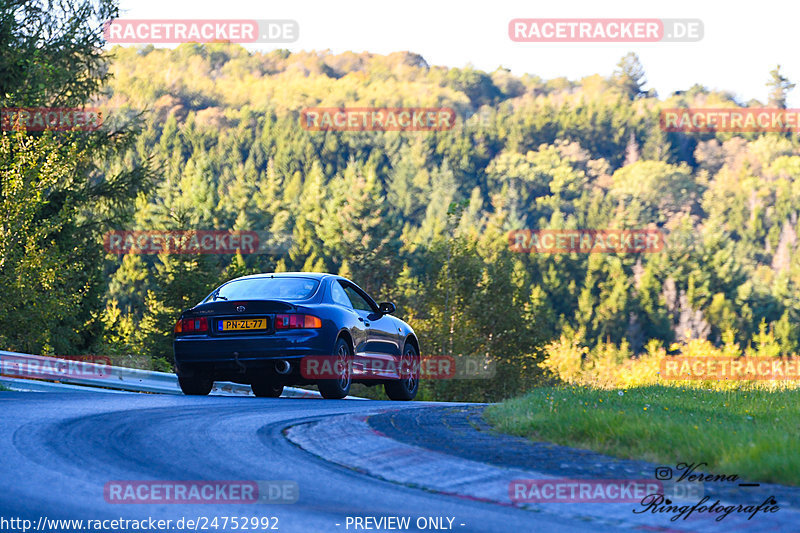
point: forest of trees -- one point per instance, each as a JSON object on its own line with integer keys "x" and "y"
{"x": 209, "y": 137}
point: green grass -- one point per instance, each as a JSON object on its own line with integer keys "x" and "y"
{"x": 749, "y": 433}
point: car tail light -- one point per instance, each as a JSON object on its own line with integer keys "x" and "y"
{"x": 297, "y": 322}
{"x": 191, "y": 325}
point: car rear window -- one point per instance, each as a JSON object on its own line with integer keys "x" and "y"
{"x": 278, "y": 288}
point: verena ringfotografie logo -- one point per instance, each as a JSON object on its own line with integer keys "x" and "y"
{"x": 734, "y": 120}
{"x": 553, "y": 241}
{"x": 192, "y": 242}
{"x": 55, "y": 368}
{"x": 605, "y": 30}
{"x": 50, "y": 118}
{"x": 726, "y": 368}
{"x": 429, "y": 367}
{"x": 161, "y": 31}
{"x": 192, "y": 492}
{"x": 377, "y": 118}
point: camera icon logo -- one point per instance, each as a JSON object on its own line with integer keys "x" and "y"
{"x": 663, "y": 473}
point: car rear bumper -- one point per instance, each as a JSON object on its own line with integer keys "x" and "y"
{"x": 249, "y": 348}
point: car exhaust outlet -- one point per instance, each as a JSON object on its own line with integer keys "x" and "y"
{"x": 283, "y": 367}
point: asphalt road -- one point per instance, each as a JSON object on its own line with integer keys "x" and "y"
{"x": 59, "y": 451}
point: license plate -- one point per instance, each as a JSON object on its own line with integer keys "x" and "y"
{"x": 242, "y": 324}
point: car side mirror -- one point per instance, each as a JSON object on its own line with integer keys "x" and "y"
{"x": 387, "y": 308}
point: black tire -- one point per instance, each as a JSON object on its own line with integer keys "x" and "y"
{"x": 336, "y": 389}
{"x": 406, "y": 388}
{"x": 267, "y": 389}
{"x": 196, "y": 385}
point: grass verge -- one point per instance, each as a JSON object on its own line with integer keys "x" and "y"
{"x": 750, "y": 433}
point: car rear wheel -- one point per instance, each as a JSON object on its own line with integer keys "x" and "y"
{"x": 195, "y": 385}
{"x": 267, "y": 389}
{"x": 405, "y": 388}
{"x": 336, "y": 389}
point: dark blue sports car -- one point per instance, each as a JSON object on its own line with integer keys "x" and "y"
{"x": 295, "y": 328}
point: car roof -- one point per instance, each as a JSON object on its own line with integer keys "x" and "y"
{"x": 312, "y": 275}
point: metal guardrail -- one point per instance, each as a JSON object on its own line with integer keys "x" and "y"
{"x": 33, "y": 385}
{"x": 19, "y": 371}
